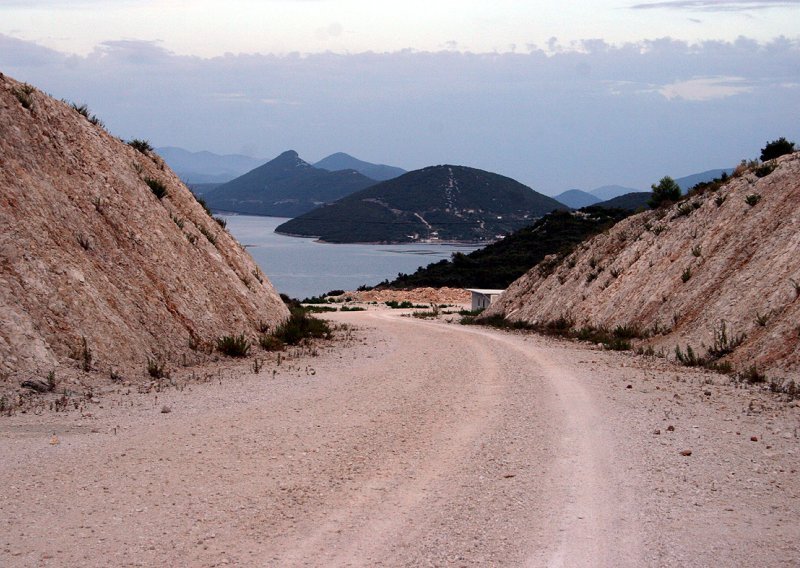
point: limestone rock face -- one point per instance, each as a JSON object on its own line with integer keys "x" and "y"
{"x": 730, "y": 255}
{"x": 87, "y": 250}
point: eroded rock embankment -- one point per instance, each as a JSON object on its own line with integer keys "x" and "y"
{"x": 106, "y": 258}
{"x": 727, "y": 257}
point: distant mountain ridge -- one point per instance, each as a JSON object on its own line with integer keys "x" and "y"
{"x": 688, "y": 182}
{"x": 287, "y": 186}
{"x": 342, "y": 161}
{"x": 606, "y": 192}
{"x": 206, "y": 167}
{"x": 577, "y": 198}
{"x": 439, "y": 202}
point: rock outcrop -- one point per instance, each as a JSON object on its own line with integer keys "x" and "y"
{"x": 727, "y": 256}
{"x": 98, "y": 271}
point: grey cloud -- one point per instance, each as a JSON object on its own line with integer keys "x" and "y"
{"x": 718, "y": 5}
{"x": 575, "y": 117}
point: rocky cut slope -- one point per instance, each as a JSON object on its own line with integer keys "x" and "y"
{"x": 722, "y": 261}
{"x": 106, "y": 258}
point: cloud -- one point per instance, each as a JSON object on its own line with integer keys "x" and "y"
{"x": 554, "y": 117}
{"x": 718, "y": 5}
{"x": 706, "y": 88}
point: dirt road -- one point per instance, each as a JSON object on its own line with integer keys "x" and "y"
{"x": 422, "y": 444}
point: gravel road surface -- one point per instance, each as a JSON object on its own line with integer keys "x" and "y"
{"x": 419, "y": 443}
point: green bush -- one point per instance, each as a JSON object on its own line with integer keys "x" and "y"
{"x": 270, "y": 343}
{"x": 301, "y": 326}
{"x": 23, "y": 95}
{"x": 233, "y": 345}
{"x": 204, "y": 205}
{"x": 752, "y": 199}
{"x": 665, "y": 192}
{"x": 83, "y": 110}
{"x": 776, "y": 148}
{"x": 158, "y": 188}
{"x": 139, "y": 145}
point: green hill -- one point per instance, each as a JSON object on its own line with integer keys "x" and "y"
{"x": 446, "y": 203}
{"x": 500, "y": 263}
{"x": 284, "y": 187}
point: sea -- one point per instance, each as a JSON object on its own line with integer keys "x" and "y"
{"x": 302, "y": 267}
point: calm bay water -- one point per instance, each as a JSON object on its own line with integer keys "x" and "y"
{"x": 302, "y": 267}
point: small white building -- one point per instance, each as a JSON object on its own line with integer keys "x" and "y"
{"x": 483, "y": 298}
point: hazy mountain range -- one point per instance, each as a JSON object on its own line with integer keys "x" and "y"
{"x": 206, "y": 167}
{"x": 285, "y": 187}
{"x": 342, "y": 161}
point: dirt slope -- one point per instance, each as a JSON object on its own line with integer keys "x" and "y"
{"x": 88, "y": 251}
{"x": 685, "y": 270}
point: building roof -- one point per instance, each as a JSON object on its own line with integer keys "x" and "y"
{"x": 485, "y": 291}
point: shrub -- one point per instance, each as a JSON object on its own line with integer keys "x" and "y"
{"x": 687, "y": 273}
{"x": 316, "y": 309}
{"x": 84, "y": 111}
{"x": 270, "y": 343}
{"x": 156, "y": 369}
{"x": 665, "y": 192}
{"x": 752, "y": 199}
{"x": 301, "y": 326}
{"x": 23, "y": 95}
{"x": 233, "y": 345}
{"x": 352, "y": 309}
{"x": 221, "y": 222}
{"x": 776, "y": 148}
{"x": 690, "y": 358}
{"x": 204, "y": 205}
{"x": 158, "y": 188}
{"x": 139, "y": 145}
{"x": 724, "y": 345}
{"x": 684, "y": 210}
{"x": 765, "y": 169}
{"x": 208, "y": 235}
{"x": 395, "y": 305}
{"x": 752, "y": 375}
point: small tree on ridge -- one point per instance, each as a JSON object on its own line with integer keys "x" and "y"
{"x": 776, "y": 148}
{"x": 665, "y": 192}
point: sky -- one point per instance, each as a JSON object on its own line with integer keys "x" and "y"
{"x": 555, "y": 95}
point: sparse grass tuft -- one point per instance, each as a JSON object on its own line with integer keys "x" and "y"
{"x": 84, "y": 241}
{"x": 689, "y": 358}
{"x": 157, "y": 187}
{"x": 270, "y": 343}
{"x": 208, "y": 235}
{"x": 765, "y": 169}
{"x": 752, "y": 375}
{"x": 204, "y": 205}
{"x": 156, "y": 369}
{"x": 233, "y": 345}
{"x": 23, "y": 95}
{"x": 221, "y": 222}
{"x": 796, "y": 286}
{"x": 139, "y": 145}
{"x": 83, "y": 110}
